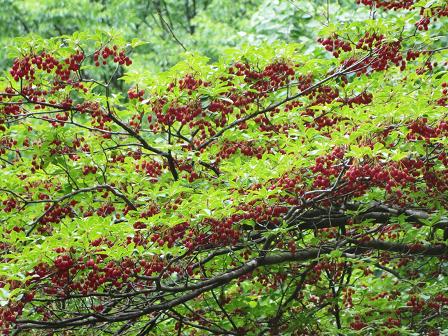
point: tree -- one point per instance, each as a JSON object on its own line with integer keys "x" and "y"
{"x": 274, "y": 192}
{"x": 168, "y": 26}
{"x": 171, "y": 26}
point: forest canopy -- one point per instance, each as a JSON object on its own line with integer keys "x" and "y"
{"x": 211, "y": 167}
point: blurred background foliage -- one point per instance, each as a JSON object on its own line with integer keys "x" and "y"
{"x": 171, "y": 27}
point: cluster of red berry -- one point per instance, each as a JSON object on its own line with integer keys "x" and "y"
{"x": 388, "y": 4}
{"x": 443, "y": 101}
{"x": 86, "y": 170}
{"x": 117, "y": 56}
{"x": 134, "y": 93}
{"x": 335, "y": 45}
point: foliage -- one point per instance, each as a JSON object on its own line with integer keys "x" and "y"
{"x": 285, "y": 188}
{"x": 169, "y": 26}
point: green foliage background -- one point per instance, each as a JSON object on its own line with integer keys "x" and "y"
{"x": 205, "y": 26}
